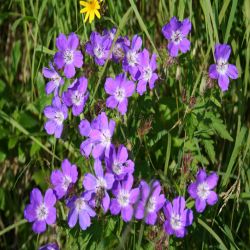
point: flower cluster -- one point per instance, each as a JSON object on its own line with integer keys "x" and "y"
{"x": 112, "y": 187}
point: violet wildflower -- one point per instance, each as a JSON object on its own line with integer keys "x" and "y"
{"x": 63, "y": 180}
{"x": 110, "y": 33}
{"x": 99, "y": 47}
{"x": 55, "y": 80}
{"x": 175, "y": 32}
{"x": 49, "y": 246}
{"x": 125, "y": 198}
{"x": 41, "y": 211}
{"x": 99, "y": 184}
{"x": 177, "y": 217}
{"x": 222, "y": 70}
{"x": 56, "y": 114}
{"x": 118, "y": 163}
{"x": 147, "y": 67}
{"x": 76, "y": 95}
{"x": 151, "y": 202}
{"x": 99, "y": 141}
{"x": 130, "y": 62}
{"x": 68, "y": 56}
{"x": 201, "y": 190}
{"x": 120, "y": 89}
{"x": 80, "y": 208}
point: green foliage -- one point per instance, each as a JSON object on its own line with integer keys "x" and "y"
{"x": 180, "y": 126}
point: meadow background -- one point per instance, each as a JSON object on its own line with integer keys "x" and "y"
{"x": 171, "y": 131}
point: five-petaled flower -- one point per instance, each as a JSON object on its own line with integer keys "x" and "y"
{"x": 177, "y": 217}
{"x": 55, "y": 80}
{"x": 68, "y": 56}
{"x": 146, "y": 67}
{"x": 91, "y": 8}
{"x": 99, "y": 184}
{"x": 56, "y": 114}
{"x": 124, "y": 199}
{"x": 63, "y": 180}
{"x": 150, "y": 203}
{"x": 175, "y": 32}
{"x": 201, "y": 190}
{"x": 120, "y": 89}
{"x": 80, "y": 208}
{"x": 222, "y": 70}
{"x": 41, "y": 211}
{"x": 76, "y": 95}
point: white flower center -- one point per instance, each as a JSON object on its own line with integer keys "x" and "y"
{"x": 66, "y": 181}
{"x": 117, "y": 168}
{"x": 222, "y": 66}
{"x": 175, "y": 221}
{"x": 56, "y": 79}
{"x": 59, "y": 117}
{"x": 123, "y": 198}
{"x": 132, "y": 58}
{"x": 42, "y": 212}
{"x": 106, "y": 138}
{"x": 68, "y": 56}
{"x": 147, "y": 73}
{"x": 101, "y": 183}
{"x": 80, "y": 204}
{"x": 203, "y": 190}
{"x": 176, "y": 37}
{"x": 98, "y": 52}
{"x": 151, "y": 205}
{"x": 120, "y": 94}
{"x": 77, "y": 98}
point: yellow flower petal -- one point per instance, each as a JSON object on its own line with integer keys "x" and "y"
{"x": 86, "y": 17}
{"x": 84, "y": 10}
{"x": 91, "y": 16}
{"x": 83, "y": 3}
{"x": 97, "y": 13}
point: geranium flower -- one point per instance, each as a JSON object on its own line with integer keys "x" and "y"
{"x": 120, "y": 89}
{"x": 91, "y": 8}
{"x": 177, "y": 217}
{"x": 201, "y": 190}
{"x": 175, "y": 32}
{"x": 76, "y": 95}
{"x": 41, "y": 211}
{"x": 68, "y": 56}
{"x": 222, "y": 70}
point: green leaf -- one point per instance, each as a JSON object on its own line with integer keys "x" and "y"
{"x": 209, "y": 148}
{"x": 2, "y": 156}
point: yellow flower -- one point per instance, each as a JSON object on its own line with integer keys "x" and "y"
{"x": 91, "y": 8}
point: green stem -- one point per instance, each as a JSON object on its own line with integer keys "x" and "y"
{"x": 15, "y": 225}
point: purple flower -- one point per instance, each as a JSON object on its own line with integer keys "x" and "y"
{"x": 222, "y": 70}
{"x": 100, "y": 134}
{"x": 41, "y": 211}
{"x": 118, "y": 163}
{"x": 67, "y": 56}
{"x": 99, "y": 185}
{"x": 177, "y": 217}
{"x": 175, "y": 32}
{"x": 118, "y": 50}
{"x": 56, "y": 114}
{"x": 119, "y": 89}
{"x": 125, "y": 198}
{"x": 146, "y": 68}
{"x": 201, "y": 190}
{"x": 151, "y": 202}
{"x": 55, "y": 80}
{"x": 99, "y": 47}
{"x": 110, "y": 33}
{"x": 76, "y": 95}
{"x": 49, "y": 246}
{"x": 130, "y": 62}
{"x": 80, "y": 208}
{"x": 63, "y": 180}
